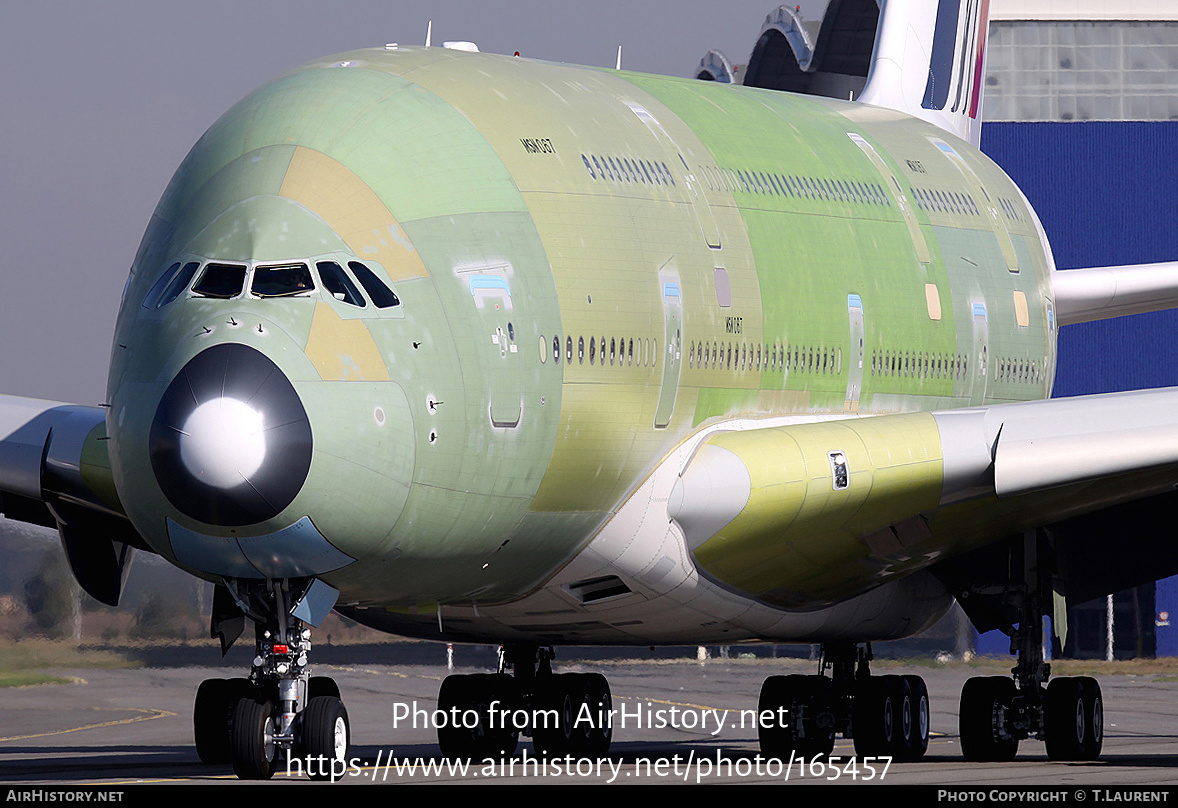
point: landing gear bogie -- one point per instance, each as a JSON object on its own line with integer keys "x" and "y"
{"x": 1067, "y": 713}
{"x": 886, "y": 716}
{"x": 565, "y": 714}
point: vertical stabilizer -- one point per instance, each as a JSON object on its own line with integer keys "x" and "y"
{"x": 930, "y": 62}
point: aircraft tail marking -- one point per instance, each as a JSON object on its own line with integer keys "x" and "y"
{"x": 928, "y": 61}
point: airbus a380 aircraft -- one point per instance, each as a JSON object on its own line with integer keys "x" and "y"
{"x": 477, "y": 348}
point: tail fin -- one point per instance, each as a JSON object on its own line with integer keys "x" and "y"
{"x": 930, "y": 62}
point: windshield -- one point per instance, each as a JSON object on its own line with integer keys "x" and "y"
{"x": 291, "y": 279}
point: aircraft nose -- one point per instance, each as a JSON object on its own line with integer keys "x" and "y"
{"x": 230, "y": 444}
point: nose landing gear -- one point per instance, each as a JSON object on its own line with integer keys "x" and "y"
{"x": 280, "y": 716}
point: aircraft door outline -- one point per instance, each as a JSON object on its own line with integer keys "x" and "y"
{"x": 857, "y": 353}
{"x": 672, "y": 347}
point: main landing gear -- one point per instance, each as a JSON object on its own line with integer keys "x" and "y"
{"x": 998, "y": 712}
{"x": 280, "y": 715}
{"x": 888, "y": 716}
{"x": 485, "y": 714}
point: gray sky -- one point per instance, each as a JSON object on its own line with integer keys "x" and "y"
{"x": 102, "y": 100}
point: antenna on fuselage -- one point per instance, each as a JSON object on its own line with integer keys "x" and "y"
{"x": 618, "y": 66}
{"x": 429, "y": 31}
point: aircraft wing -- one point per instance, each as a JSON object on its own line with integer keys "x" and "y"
{"x": 55, "y": 471}
{"x": 1101, "y": 292}
{"x": 807, "y": 514}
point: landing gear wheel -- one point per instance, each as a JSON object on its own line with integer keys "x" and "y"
{"x": 984, "y": 703}
{"x": 322, "y": 686}
{"x": 882, "y": 718}
{"x": 1094, "y": 712}
{"x": 481, "y": 699}
{"x": 326, "y": 736}
{"x": 252, "y": 747}
{"x": 794, "y": 703}
{"x": 210, "y": 720}
{"x": 1069, "y": 718}
{"x": 920, "y": 718}
{"x": 212, "y": 716}
{"x": 600, "y": 709}
{"x": 559, "y": 702}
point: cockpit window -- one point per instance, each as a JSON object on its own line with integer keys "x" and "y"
{"x": 282, "y": 281}
{"x": 221, "y": 280}
{"x": 179, "y": 284}
{"x": 337, "y": 282}
{"x": 157, "y": 287}
{"x": 381, "y": 295}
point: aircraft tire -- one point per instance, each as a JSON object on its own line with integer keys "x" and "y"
{"x": 489, "y": 696}
{"x": 1094, "y": 712}
{"x": 211, "y": 715}
{"x": 322, "y": 686}
{"x": 781, "y": 696}
{"x": 982, "y": 699}
{"x": 559, "y": 698}
{"x": 882, "y": 718}
{"x": 252, "y": 748}
{"x": 1066, "y": 716}
{"x": 326, "y": 737}
{"x": 918, "y": 744}
{"x": 601, "y": 712}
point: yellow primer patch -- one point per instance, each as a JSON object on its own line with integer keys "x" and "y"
{"x": 1021, "y": 315}
{"x": 334, "y": 193}
{"x": 932, "y": 296}
{"x": 343, "y": 350}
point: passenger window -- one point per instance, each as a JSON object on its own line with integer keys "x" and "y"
{"x": 337, "y": 282}
{"x": 159, "y": 285}
{"x": 221, "y": 281}
{"x": 282, "y": 281}
{"x": 382, "y": 296}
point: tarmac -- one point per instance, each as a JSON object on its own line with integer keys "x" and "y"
{"x": 676, "y": 721}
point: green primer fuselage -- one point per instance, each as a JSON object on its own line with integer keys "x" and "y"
{"x": 592, "y": 265}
